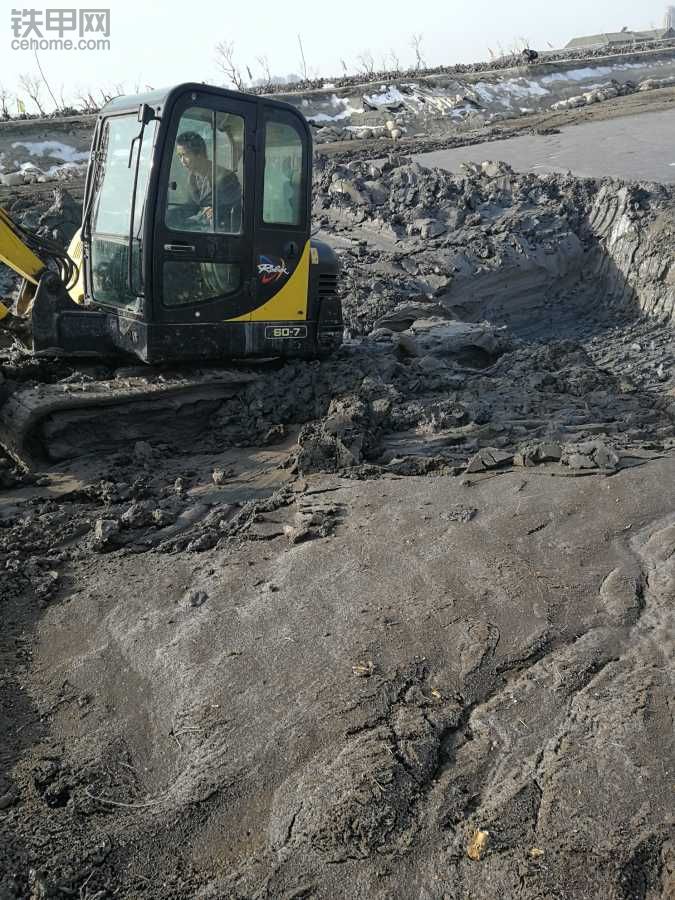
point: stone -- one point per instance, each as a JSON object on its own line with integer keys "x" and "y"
{"x": 496, "y": 169}
{"x": 488, "y": 458}
{"x": 547, "y": 451}
{"x": 105, "y": 530}
{"x": 12, "y": 179}
{"x": 218, "y": 476}
{"x": 428, "y": 228}
{"x": 605, "y": 457}
{"x": 437, "y": 337}
{"x": 579, "y": 461}
{"x": 136, "y": 516}
{"x": 355, "y": 194}
{"x": 197, "y": 598}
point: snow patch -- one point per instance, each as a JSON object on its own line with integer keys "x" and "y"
{"x": 55, "y": 149}
{"x": 390, "y": 96}
{"x": 336, "y": 102}
{"x": 519, "y": 89}
{"x": 596, "y": 72}
{"x": 67, "y": 170}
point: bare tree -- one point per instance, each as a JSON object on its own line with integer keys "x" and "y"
{"x": 416, "y": 44}
{"x": 86, "y": 101}
{"x": 344, "y": 66}
{"x": 5, "y": 98}
{"x": 366, "y": 62}
{"x": 264, "y": 64}
{"x": 302, "y": 57}
{"x": 226, "y": 64}
{"x": 109, "y": 93}
{"x": 395, "y": 61}
{"x": 46, "y": 83}
{"x": 31, "y": 86}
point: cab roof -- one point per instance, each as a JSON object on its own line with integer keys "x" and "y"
{"x": 159, "y": 98}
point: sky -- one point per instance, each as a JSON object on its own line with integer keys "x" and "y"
{"x": 174, "y": 41}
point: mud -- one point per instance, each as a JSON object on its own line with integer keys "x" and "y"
{"x": 396, "y": 624}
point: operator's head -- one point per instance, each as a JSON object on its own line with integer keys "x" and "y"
{"x": 191, "y": 149}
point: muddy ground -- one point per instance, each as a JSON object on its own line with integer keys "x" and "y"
{"x": 393, "y": 625}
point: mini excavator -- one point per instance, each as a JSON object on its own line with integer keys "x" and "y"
{"x": 195, "y": 238}
{"x": 194, "y": 248}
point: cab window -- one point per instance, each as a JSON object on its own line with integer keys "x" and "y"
{"x": 283, "y": 201}
{"x": 111, "y": 216}
{"x": 206, "y": 181}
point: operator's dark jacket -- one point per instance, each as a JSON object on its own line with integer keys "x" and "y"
{"x": 228, "y": 198}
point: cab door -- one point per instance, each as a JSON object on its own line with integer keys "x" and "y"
{"x": 282, "y": 251}
{"x": 204, "y": 219}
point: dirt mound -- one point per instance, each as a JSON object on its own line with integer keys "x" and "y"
{"x": 523, "y": 250}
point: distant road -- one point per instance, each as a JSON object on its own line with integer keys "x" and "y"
{"x": 640, "y": 147}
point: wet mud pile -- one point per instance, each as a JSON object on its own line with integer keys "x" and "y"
{"x": 488, "y": 310}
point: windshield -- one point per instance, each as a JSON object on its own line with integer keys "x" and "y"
{"x": 112, "y": 209}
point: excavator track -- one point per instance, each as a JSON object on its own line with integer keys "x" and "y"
{"x": 47, "y": 423}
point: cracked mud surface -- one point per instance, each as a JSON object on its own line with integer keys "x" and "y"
{"x": 375, "y": 611}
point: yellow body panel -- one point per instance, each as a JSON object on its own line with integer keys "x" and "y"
{"x": 289, "y": 304}
{"x": 15, "y": 254}
{"x": 75, "y": 253}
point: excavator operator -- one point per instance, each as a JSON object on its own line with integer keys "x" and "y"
{"x": 191, "y": 150}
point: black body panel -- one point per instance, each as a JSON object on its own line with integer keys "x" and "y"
{"x": 64, "y": 328}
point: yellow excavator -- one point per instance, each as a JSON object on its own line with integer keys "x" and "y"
{"x": 194, "y": 246}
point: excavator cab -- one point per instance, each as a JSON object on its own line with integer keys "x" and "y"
{"x": 195, "y": 239}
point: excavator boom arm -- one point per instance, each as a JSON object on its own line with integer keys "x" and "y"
{"x": 15, "y": 254}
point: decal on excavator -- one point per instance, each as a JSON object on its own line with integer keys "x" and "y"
{"x": 271, "y": 269}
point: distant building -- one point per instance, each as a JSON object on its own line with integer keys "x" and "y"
{"x": 622, "y": 39}
{"x": 669, "y": 22}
